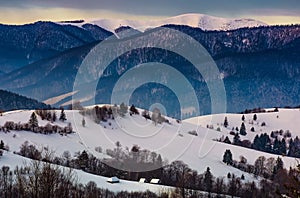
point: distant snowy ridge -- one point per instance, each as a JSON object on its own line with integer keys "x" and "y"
{"x": 202, "y": 21}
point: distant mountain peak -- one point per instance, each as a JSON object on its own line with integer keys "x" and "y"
{"x": 202, "y": 21}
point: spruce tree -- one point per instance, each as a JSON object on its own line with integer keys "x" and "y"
{"x": 1, "y": 144}
{"x": 236, "y": 139}
{"x": 83, "y": 122}
{"x": 243, "y": 129}
{"x": 133, "y": 110}
{"x": 278, "y": 166}
{"x": 292, "y": 148}
{"x": 254, "y": 117}
{"x": 228, "y": 175}
{"x": 227, "y": 140}
{"x": 227, "y": 157}
{"x": 282, "y": 147}
{"x": 243, "y": 177}
{"x": 33, "y": 121}
{"x": 225, "y": 122}
{"x": 276, "y": 146}
{"x": 243, "y": 118}
{"x": 256, "y": 143}
{"x": 208, "y": 180}
{"x": 54, "y": 117}
{"x": 62, "y": 116}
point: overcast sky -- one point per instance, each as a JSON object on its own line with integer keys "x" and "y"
{"x": 24, "y": 11}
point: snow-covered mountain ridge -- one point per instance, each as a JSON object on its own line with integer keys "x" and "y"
{"x": 205, "y": 22}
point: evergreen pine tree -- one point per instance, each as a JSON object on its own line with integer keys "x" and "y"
{"x": 243, "y": 177}
{"x": 62, "y": 116}
{"x": 236, "y": 139}
{"x": 243, "y": 129}
{"x": 276, "y": 146}
{"x": 33, "y": 121}
{"x": 278, "y": 166}
{"x": 1, "y": 144}
{"x": 208, "y": 181}
{"x": 225, "y": 122}
{"x": 83, "y": 122}
{"x": 83, "y": 159}
{"x": 227, "y": 157}
{"x": 227, "y": 140}
{"x": 228, "y": 175}
{"x": 243, "y": 118}
{"x": 282, "y": 147}
{"x": 133, "y": 110}
{"x": 292, "y": 148}
{"x": 256, "y": 143}
{"x": 254, "y": 117}
{"x": 54, "y": 117}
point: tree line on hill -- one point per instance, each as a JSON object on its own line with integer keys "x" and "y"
{"x": 187, "y": 181}
{"x": 110, "y": 112}
{"x": 47, "y": 180}
{"x": 286, "y": 145}
{"x": 263, "y": 167}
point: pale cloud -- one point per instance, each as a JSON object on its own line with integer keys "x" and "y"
{"x": 22, "y": 16}
{"x": 278, "y": 20}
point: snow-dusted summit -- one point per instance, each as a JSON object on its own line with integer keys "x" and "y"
{"x": 202, "y": 21}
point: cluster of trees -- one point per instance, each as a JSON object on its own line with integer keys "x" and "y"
{"x": 50, "y": 115}
{"x": 263, "y": 167}
{"x": 30, "y": 151}
{"x": 46, "y": 180}
{"x": 188, "y": 182}
{"x": 33, "y": 125}
{"x": 157, "y": 117}
{"x": 268, "y": 144}
{"x": 105, "y": 113}
{"x": 274, "y": 144}
{"x": 242, "y": 129}
{"x": 133, "y": 110}
{"x": 258, "y": 110}
{"x": 279, "y": 142}
{"x": 125, "y": 164}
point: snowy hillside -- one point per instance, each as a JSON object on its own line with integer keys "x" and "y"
{"x": 202, "y": 21}
{"x": 172, "y": 140}
{"x": 9, "y": 159}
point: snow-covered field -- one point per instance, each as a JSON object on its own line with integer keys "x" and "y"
{"x": 172, "y": 140}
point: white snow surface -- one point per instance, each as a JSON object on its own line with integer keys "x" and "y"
{"x": 172, "y": 141}
{"x": 205, "y": 22}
